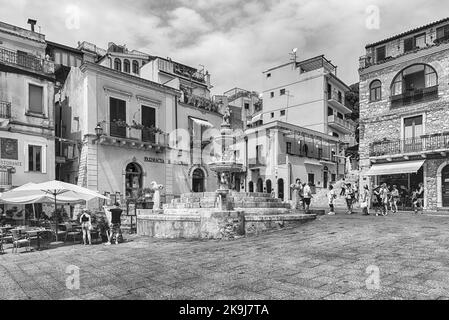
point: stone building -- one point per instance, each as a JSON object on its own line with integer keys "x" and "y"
{"x": 404, "y": 133}
{"x": 27, "y": 82}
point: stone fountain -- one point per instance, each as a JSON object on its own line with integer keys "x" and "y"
{"x": 224, "y": 214}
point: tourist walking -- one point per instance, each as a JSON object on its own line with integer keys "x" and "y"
{"x": 365, "y": 200}
{"x": 394, "y": 199}
{"x": 86, "y": 226}
{"x": 331, "y": 196}
{"x": 349, "y": 196}
{"x": 307, "y": 194}
{"x": 297, "y": 188}
{"x": 384, "y": 195}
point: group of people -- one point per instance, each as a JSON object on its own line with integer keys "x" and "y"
{"x": 303, "y": 195}
{"x": 387, "y": 197}
{"x": 113, "y": 230}
{"x": 384, "y": 198}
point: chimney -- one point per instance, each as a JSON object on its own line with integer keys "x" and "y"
{"x": 32, "y": 23}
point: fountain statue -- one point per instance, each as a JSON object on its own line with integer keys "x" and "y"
{"x": 157, "y": 195}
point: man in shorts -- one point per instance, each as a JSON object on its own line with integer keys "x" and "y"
{"x": 114, "y": 231}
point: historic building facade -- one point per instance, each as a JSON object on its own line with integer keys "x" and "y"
{"x": 126, "y": 128}
{"x": 27, "y": 84}
{"x": 404, "y": 115}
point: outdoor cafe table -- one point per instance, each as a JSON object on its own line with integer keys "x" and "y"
{"x": 37, "y": 233}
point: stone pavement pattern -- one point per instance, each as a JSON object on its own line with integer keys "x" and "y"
{"x": 325, "y": 259}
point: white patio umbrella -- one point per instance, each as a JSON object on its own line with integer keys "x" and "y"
{"x": 51, "y": 191}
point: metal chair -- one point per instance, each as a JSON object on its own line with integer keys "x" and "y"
{"x": 18, "y": 240}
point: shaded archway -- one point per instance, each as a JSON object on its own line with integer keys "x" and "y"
{"x": 269, "y": 187}
{"x": 198, "y": 180}
{"x": 133, "y": 180}
{"x": 251, "y": 187}
{"x": 260, "y": 185}
{"x": 281, "y": 189}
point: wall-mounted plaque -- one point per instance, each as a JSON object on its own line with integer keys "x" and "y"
{"x": 9, "y": 149}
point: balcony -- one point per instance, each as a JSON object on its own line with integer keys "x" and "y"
{"x": 338, "y": 103}
{"x": 199, "y": 102}
{"x": 414, "y": 96}
{"x": 256, "y": 163}
{"x": 26, "y": 61}
{"x": 341, "y": 124}
{"x": 5, "y": 110}
{"x": 181, "y": 70}
{"x": 426, "y": 144}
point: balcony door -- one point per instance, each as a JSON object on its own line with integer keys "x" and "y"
{"x": 148, "y": 121}
{"x": 413, "y": 130}
{"x": 117, "y": 116}
{"x": 445, "y": 184}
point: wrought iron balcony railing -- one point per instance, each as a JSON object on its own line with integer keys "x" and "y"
{"x": 414, "y": 96}
{"x": 348, "y": 125}
{"x": 5, "y": 110}
{"x": 27, "y": 61}
{"x": 425, "y": 143}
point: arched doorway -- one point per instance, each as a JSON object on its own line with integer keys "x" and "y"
{"x": 237, "y": 184}
{"x": 251, "y": 186}
{"x": 133, "y": 180}
{"x": 445, "y": 186}
{"x": 260, "y": 185}
{"x": 281, "y": 189}
{"x": 269, "y": 187}
{"x": 198, "y": 180}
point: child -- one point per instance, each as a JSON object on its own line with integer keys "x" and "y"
{"x": 331, "y": 197}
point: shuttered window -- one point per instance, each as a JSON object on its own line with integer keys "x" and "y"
{"x": 36, "y": 99}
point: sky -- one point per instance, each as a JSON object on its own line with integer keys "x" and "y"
{"x": 235, "y": 40}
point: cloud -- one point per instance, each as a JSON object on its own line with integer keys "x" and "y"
{"x": 235, "y": 39}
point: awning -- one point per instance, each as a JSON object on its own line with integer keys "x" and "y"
{"x": 202, "y": 122}
{"x": 259, "y": 117}
{"x": 395, "y": 168}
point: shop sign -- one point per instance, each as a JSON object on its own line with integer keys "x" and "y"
{"x": 9, "y": 163}
{"x": 154, "y": 160}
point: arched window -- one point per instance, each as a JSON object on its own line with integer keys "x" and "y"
{"x": 126, "y": 66}
{"x": 133, "y": 180}
{"x": 375, "y": 91}
{"x": 118, "y": 64}
{"x": 414, "y": 79}
{"x": 135, "y": 67}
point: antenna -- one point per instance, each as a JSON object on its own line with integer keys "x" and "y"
{"x": 293, "y": 54}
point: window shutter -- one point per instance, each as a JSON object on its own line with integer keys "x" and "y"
{"x": 36, "y": 99}
{"x": 44, "y": 159}
{"x": 26, "y": 164}
{"x": 409, "y": 44}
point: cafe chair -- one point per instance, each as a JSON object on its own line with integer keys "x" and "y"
{"x": 71, "y": 232}
{"x": 19, "y": 241}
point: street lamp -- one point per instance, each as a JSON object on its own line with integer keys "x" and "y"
{"x": 98, "y": 132}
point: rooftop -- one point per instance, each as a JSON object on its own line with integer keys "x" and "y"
{"x": 412, "y": 31}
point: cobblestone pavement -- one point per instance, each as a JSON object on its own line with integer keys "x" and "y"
{"x": 325, "y": 259}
